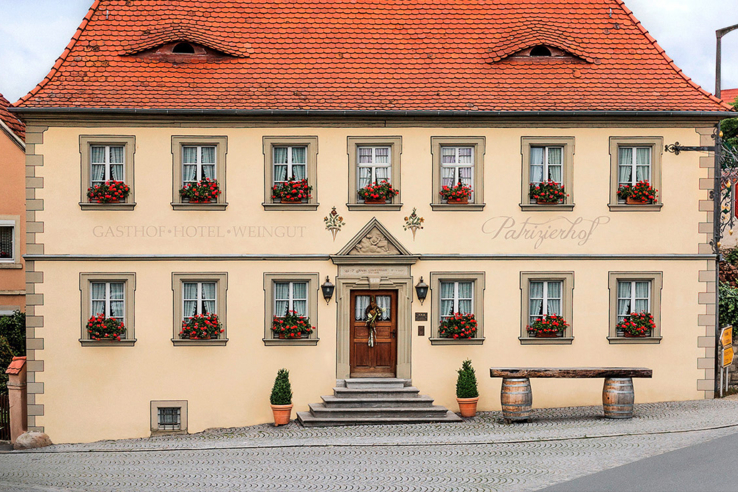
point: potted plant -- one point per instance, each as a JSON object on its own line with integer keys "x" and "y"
{"x": 204, "y": 191}
{"x": 637, "y": 325}
{"x": 201, "y": 327}
{"x": 378, "y": 193}
{"x": 292, "y": 191}
{"x": 108, "y": 192}
{"x": 547, "y": 192}
{"x": 638, "y": 194}
{"x": 467, "y": 394}
{"x": 292, "y": 325}
{"x": 458, "y": 326}
{"x": 281, "y": 399}
{"x": 101, "y": 328}
{"x": 457, "y": 194}
{"x": 549, "y": 326}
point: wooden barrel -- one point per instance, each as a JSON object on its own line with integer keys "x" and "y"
{"x": 618, "y": 398}
{"x": 517, "y": 399}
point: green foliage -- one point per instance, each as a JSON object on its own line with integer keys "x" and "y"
{"x": 13, "y": 328}
{"x": 6, "y": 357}
{"x": 466, "y": 383}
{"x": 730, "y": 129}
{"x": 732, "y": 256}
{"x": 729, "y": 307}
{"x": 282, "y": 390}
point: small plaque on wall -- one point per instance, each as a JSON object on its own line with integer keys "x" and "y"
{"x": 421, "y": 331}
{"x": 421, "y": 316}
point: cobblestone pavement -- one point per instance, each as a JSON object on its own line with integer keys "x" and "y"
{"x": 478, "y": 454}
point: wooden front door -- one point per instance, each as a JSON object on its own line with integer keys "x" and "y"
{"x": 381, "y": 359}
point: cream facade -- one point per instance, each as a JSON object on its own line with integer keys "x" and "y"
{"x": 498, "y": 242}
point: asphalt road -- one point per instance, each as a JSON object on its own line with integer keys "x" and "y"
{"x": 707, "y": 467}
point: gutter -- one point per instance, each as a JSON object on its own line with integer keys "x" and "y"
{"x": 13, "y": 136}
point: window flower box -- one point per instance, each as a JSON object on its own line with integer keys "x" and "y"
{"x": 639, "y": 194}
{"x": 377, "y": 193}
{"x": 458, "y": 326}
{"x": 547, "y": 193}
{"x": 204, "y": 191}
{"x": 549, "y": 326}
{"x": 108, "y": 192}
{"x": 637, "y": 325}
{"x": 292, "y": 191}
{"x": 291, "y": 326}
{"x": 456, "y": 194}
{"x": 201, "y": 327}
{"x": 100, "y": 328}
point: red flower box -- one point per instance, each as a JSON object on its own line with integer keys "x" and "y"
{"x": 292, "y": 191}
{"x": 204, "y": 191}
{"x": 108, "y": 192}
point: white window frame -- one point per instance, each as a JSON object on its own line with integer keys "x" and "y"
{"x": 289, "y": 162}
{"x": 373, "y": 164}
{"x": 546, "y": 163}
{"x": 633, "y": 165}
{"x": 199, "y": 164}
{"x": 456, "y": 298}
{"x": 545, "y": 299}
{"x": 632, "y": 297}
{"x": 10, "y": 224}
{"x": 107, "y": 299}
{"x": 199, "y": 299}
{"x": 107, "y": 162}
{"x": 456, "y": 165}
{"x": 291, "y": 297}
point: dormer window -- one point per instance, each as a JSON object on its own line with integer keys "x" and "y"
{"x": 184, "y": 49}
{"x": 540, "y": 51}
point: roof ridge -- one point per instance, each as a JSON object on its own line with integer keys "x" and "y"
{"x": 666, "y": 57}
{"x": 63, "y": 57}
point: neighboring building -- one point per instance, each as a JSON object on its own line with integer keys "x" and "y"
{"x": 12, "y": 211}
{"x": 729, "y": 95}
{"x": 423, "y": 94}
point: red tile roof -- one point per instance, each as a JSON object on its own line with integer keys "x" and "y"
{"x": 368, "y": 55}
{"x": 15, "y": 125}
{"x": 729, "y": 95}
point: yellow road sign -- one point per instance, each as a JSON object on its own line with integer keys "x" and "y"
{"x": 726, "y": 337}
{"x": 727, "y": 356}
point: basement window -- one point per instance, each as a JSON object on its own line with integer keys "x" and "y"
{"x": 184, "y": 49}
{"x": 170, "y": 418}
{"x": 540, "y": 51}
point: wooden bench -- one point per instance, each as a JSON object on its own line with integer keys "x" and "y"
{"x": 617, "y": 394}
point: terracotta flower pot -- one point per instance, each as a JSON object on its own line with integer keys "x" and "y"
{"x": 468, "y": 406}
{"x": 302, "y": 335}
{"x": 459, "y": 200}
{"x": 282, "y": 414}
{"x": 291, "y": 199}
{"x": 631, "y": 335}
{"x": 379, "y": 200}
{"x": 545, "y": 202}
{"x": 541, "y": 334}
{"x": 633, "y": 201}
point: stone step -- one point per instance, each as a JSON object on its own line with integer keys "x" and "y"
{"x": 404, "y": 392}
{"x": 384, "y": 383}
{"x": 309, "y": 420}
{"x": 376, "y": 402}
{"x": 320, "y": 410}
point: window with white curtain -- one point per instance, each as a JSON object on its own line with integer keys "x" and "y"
{"x": 288, "y": 163}
{"x": 547, "y": 163}
{"x": 544, "y": 299}
{"x": 106, "y": 163}
{"x": 109, "y": 299}
{"x": 199, "y": 298}
{"x": 634, "y": 165}
{"x": 634, "y": 296}
{"x": 290, "y": 296}
{"x": 362, "y": 302}
{"x": 7, "y": 251}
{"x": 456, "y": 297}
{"x": 457, "y": 165}
{"x": 375, "y": 165}
{"x": 198, "y": 163}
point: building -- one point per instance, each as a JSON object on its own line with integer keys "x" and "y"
{"x": 729, "y": 95}
{"x": 12, "y": 212}
{"x": 493, "y": 95}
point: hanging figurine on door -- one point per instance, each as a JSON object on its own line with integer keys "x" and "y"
{"x": 373, "y": 314}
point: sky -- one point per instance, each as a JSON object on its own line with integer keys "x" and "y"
{"x": 33, "y": 33}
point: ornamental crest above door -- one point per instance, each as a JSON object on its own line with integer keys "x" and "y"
{"x": 372, "y": 244}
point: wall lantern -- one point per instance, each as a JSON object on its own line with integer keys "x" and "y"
{"x": 327, "y": 289}
{"x": 421, "y": 290}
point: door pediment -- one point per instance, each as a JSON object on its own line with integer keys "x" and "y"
{"x": 374, "y": 244}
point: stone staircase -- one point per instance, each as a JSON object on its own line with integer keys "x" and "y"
{"x": 362, "y": 401}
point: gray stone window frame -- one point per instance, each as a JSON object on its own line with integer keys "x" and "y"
{"x": 479, "y": 145}
{"x": 85, "y": 280}
{"x": 15, "y": 262}
{"x": 86, "y": 142}
{"x": 154, "y": 416}
{"x": 221, "y": 280}
{"x": 352, "y": 149}
{"x": 435, "y": 286}
{"x": 314, "y": 292}
{"x": 221, "y": 152}
{"x": 657, "y": 284}
{"x": 268, "y": 145}
{"x": 567, "y": 303}
{"x": 657, "y": 152}
{"x": 569, "y": 145}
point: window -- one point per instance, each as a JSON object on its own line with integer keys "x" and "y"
{"x": 7, "y": 243}
{"x": 458, "y": 159}
{"x": 112, "y": 295}
{"x": 362, "y": 302}
{"x": 544, "y": 300}
{"x": 540, "y": 51}
{"x": 285, "y": 292}
{"x": 286, "y": 158}
{"x": 634, "y": 159}
{"x": 634, "y": 292}
{"x": 544, "y": 159}
{"x": 373, "y": 160}
{"x": 456, "y": 292}
{"x": 199, "y": 294}
{"x": 184, "y": 48}
{"x": 195, "y": 158}
{"x": 107, "y": 158}
{"x": 168, "y": 416}
{"x": 546, "y": 293}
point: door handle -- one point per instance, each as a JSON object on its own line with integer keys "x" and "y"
{"x": 393, "y": 333}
